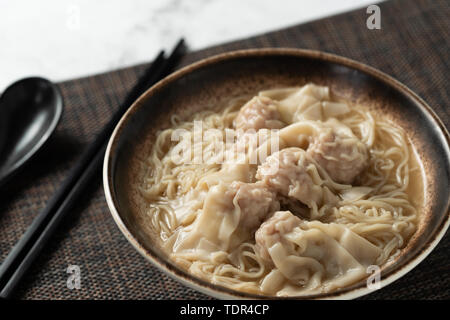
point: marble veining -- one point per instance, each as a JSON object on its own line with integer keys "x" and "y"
{"x": 64, "y": 39}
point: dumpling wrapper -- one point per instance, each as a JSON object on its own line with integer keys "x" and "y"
{"x": 319, "y": 257}
{"x": 212, "y": 229}
{"x": 310, "y": 102}
{"x": 229, "y": 216}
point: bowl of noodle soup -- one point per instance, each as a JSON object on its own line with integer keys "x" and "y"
{"x": 280, "y": 173}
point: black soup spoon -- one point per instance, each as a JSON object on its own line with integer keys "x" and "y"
{"x": 30, "y": 109}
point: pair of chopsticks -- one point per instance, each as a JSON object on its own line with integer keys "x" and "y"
{"x": 22, "y": 255}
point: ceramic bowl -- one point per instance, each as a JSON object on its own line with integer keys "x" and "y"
{"x": 210, "y": 81}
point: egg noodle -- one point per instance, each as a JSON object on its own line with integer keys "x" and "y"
{"x": 332, "y": 197}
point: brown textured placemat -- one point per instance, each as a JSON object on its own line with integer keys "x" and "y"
{"x": 412, "y": 46}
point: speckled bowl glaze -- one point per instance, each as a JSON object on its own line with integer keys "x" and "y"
{"x": 214, "y": 80}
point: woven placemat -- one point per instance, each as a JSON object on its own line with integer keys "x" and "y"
{"x": 412, "y": 46}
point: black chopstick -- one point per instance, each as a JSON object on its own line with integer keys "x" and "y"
{"x": 44, "y": 225}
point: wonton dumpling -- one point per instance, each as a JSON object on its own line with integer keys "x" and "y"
{"x": 339, "y": 152}
{"x": 254, "y": 201}
{"x": 310, "y": 102}
{"x": 230, "y": 215}
{"x": 229, "y": 173}
{"x": 300, "y": 134}
{"x": 291, "y": 173}
{"x": 331, "y": 144}
{"x": 258, "y": 113}
{"x": 311, "y": 254}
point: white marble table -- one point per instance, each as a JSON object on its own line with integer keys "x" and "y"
{"x": 63, "y": 39}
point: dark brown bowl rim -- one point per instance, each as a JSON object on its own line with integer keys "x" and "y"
{"x": 223, "y": 292}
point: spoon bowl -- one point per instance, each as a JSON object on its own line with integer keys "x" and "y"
{"x": 30, "y": 110}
